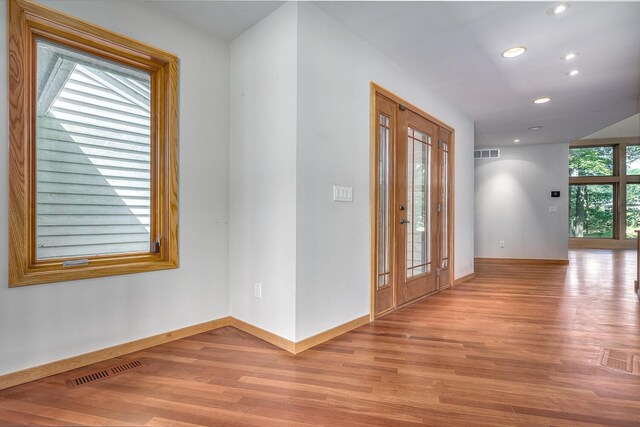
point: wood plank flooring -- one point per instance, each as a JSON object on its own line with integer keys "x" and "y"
{"x": 517, "y": 346}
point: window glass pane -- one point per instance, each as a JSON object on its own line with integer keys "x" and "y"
{"x": 591, "y": 211}
{"x": 383, "y": 202}
{"x": 444, "y": 209}
{"x": 633, "y": 210}
{"x": 410, "y": 218}
{"x": 92, "y": 155}
{"x": 419, "y": 202}
{"x": 591, "y": 161}
{"x": 633, "y": 159}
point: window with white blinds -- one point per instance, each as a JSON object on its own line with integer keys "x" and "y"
{"x": 93, "y": 152}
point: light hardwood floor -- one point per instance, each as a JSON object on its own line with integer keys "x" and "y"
{"x": 518, "y": 345}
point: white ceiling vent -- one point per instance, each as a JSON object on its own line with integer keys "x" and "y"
{"x": 486, "y": 153}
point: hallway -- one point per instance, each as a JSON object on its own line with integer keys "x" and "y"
{"x": 518, "y": 345}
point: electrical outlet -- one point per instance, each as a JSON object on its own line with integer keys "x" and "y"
{"x": 502, "y": 243}
{"x": 257, "y": 290}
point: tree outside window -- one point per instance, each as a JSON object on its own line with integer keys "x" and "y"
{"x": 604, "y": 190}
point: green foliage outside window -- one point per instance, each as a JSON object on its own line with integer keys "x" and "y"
{"x": 633, "y": 160}
{"x": 591, "y": 211}
{"x": 633, "y": 191}
{"x": 591, "y": 161}
{"x": 633, "y": 210}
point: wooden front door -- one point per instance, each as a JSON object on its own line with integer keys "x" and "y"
{"x": 413, "y": 204}
{"x": 416, "y": 183}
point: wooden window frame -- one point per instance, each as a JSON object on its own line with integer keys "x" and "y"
{"x": 26, "y": 21}
{"x": 619, "y": 181}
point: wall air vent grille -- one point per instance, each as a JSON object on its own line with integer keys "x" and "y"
{"x": 486, "y": 153}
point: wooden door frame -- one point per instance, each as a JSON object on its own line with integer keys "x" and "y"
{"x": 375, "y": 90}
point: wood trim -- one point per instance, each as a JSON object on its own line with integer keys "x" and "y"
{"x": 373, "y": 198}
{"x": 97, "y": 35}
{"x": 463, "y": 279}
{"x": 636, "y": 284}
{"x": 18, "y": 149}
{"x": 525, "y": 261}
{"x": 60, "y": 366}
{"x": 605, "y": 141}
{"x": 452, "y": 208}
{"x": 53, "y": 368}
{"x": 620, "y": 197}
{"x": 583, "y": 243}
{"x": 267, "y": 336}
{"x": 26, "y": 21}
{"x": 317, "y": 339}
{"x": 305, "y": 344}
{"x": 585, "y": 180}
{"x": 375, "y": 90}
{"x": 395, "y": 98}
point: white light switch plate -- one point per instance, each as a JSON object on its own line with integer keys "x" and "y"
{"x": 257, "y": 290}
{"x": 342, "y": 194}
{"x": 553, "y": 209}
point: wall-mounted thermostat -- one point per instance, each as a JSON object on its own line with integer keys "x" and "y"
{"x": 555, "y": 194}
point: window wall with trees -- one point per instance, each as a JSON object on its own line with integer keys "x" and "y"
{"x": 604, "y": 192}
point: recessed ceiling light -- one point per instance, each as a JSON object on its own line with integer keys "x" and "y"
{"x": 542, "y": 100}
{"x": 573, "y": 73}
{"x": 512, "y": 52}
{"x": 516, "y": 140}
{"x": 569, "y": 56}
{"x": 535, "y": 127}
{"x": 557, "y": 10}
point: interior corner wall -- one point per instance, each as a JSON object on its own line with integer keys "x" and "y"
{"x": 335, "y": 68}
{"x": 263, "y": 173}
{"x": 513, "y": 197}
{"x": 45, "y": 323}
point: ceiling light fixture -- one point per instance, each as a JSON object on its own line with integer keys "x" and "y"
{"x": 516, "y": 140}
{"x": 557, "y": 10}
{"x": 538, "y": 127}
{"x": 512, "y": 52}
{"x": 542, "y": 100}
{"x": 569, "y": 56}
{"x": 573, "y": 73}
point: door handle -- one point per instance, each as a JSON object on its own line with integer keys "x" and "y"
{"x": 404, "y": 221}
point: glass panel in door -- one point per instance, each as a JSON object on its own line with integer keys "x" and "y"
{"x": 444, "y": 207}
{"x": 383, "y": 202}
{"x": 418, "y": 242}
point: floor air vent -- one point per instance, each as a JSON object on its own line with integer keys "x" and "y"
{"x": 620, "y": 360}
{"x": 103, "y": 374}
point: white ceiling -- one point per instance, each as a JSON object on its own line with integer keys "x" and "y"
{"x": 225, "y": 19}
{"x": 455, "y": 47}
{"x": 626, "y": 128}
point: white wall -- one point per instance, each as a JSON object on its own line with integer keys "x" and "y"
{"x": 297, "y": 104}
{"x": 513, "y": 195}
{"x": 43, "y": 323}
{"x": 335, "y": 68}
{"x": 263, "y": 173}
